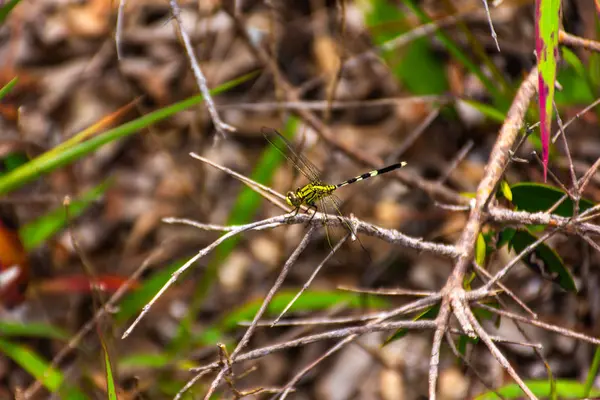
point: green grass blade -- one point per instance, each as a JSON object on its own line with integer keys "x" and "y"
{"x": 47, "y": 163}
{"x": 38, "y": 231}
{"x": 566, "y": 389}
{"x": 31, "y": 329}
{"x": 51, "y": 378}
{"x": 6, "y": 9}
{"x": 8, "y": 87}
{"x": 592, "y": 373}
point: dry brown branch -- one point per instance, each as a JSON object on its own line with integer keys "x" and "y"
{"x": 454, "y": 294}
{"x": 576, "y": 41}
{"x": 220, "y": 126}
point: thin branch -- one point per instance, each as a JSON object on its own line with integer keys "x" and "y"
{"x": 220, "y": 126}
{"x": 335, "y": 334}
{"x": 311, "y": 278}
{"x": 506, "y": 290}
{"x": 575, "y": 41}
{"x": 387, "y": 292}
{"x": 577, "y": 116}
{"x": 319, "y": 105}
{"x": 119, "y": 28}
{"x": 263, "y": 308}
{"x": 441, "y": 324}
{"x": 457, "y": 353}
{"x": 190, "y": 262}
{"x": 483, "y": 335}
{"x": 540, "y": 324}
{"x": 500, "y": 274}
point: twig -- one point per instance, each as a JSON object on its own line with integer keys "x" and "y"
{"x": 460, "y": 156}
{"x": 220, "y": 126}
{"x": 248, "y": 334}
{"x": 483, "y": 335}
{"x": 413, "y": 136}
{"x": 576, "y": 41}
{"x": 441, "y": 323}
{"x": 319, "y": 105}
{"x": 506, "y": 290}
{"x": 540, "y": 324}
{"x": 577, "y": 116}
{"x": 387, "y": 292}
{"x": 119, "y": 28}
{"x": 311, "y": 278}
{"x": 191, "y": 261}
{"x": 500, "y": 274}
{"x": 264, "y": 190}
{"x": 489, "y": 386}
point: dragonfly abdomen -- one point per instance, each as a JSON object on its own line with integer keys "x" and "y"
{"x": 371, "y": 174}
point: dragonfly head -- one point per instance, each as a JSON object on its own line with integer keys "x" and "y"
{"x": 293, "y": 199}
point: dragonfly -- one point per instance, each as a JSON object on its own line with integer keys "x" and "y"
{"x": 315, "y": 191}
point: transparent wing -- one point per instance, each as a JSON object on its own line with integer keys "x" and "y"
{"x": 301, "y": 163}
{"x": 334, "y": 203}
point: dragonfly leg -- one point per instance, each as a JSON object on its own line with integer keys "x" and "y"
{"x": 313, "y": 214}
{"x": 292, "y": 215}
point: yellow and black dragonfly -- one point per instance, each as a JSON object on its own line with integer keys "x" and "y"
{"x": 315, "y": 191}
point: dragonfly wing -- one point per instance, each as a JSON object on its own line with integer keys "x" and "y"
{"x": 302, "y": 164}
{"x": 336, "y": 203}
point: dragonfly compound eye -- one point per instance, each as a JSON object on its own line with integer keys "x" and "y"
{"x": 293, "y": 200}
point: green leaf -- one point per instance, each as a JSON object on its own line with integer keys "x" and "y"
{"x": 594, "y": 69}
{"x": 500, "y": 99}
{"x": 414, "y": 64}
{"x": 543, "y": 260}
{"x": 38, "y": 231}
{"x": 14, "y": 161}
{"x": 547, "y": 19}
{"x": 506, "y": 236}
{"x": 111, "y": 389}
{"x": 534, "y": 197}
{"x": 463, "y": 340}
{"x": 480, "y": 250}
{"x": 566, "y": 389}
{"x": 429, "y": 314}
{"x": 468, "y": 280}
{"x": 505, "y": 189}
{"x": 309, "y": 301}
{"x": 576, "y": 89}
